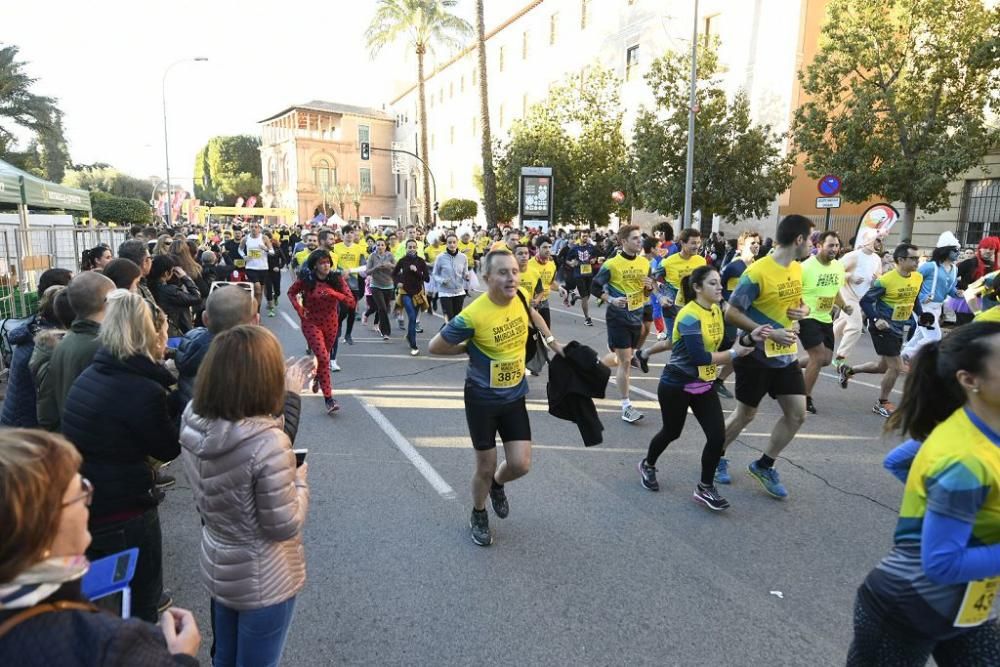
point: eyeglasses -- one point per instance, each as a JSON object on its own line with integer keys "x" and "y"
{"x": 87, "y": 496}
{"x": 247, "y": 287}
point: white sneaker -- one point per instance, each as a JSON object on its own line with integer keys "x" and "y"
{"x": 631, "y": 415}
{"x": 334, "y": 367}
{"x": 414, "y": 352}
{"x": 661, "y": 336}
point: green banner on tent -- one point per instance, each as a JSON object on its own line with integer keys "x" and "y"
{"x": 39, "y": 193}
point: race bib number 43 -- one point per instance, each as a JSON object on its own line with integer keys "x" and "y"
{"x": 506, "y": 373}
{"x": 977, "y": 603}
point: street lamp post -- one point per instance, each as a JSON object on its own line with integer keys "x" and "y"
{"x": 166, "y": 144}
{"x": 689, "y": 172}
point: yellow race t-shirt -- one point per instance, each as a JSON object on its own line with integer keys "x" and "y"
{"x": 675, "y": 269}
{"x": 820, "y": 285}
{"x": 431, "y": 253}
{"x": 546, "y": 274}
{"x": 765, "y": 292}
{"x": 497, "y": 337}
{"x": 624, "y": 276}
{"x": 469, "y": 250}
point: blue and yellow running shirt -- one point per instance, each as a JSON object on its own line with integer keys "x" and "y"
{"x": 956, "y": 474}
{"x": 731, "y": 276}
{"x": 991, "y": 315}
{"x": 820, "y": 285}
{"x": 893, "y": 298}
{"x": 348, "y": 258}
{"x": 625, "y": 276}
{"x": 497, "y": 337}
{"x": 697, "y": 334}
{"x": 675, "y": 268}
{"x": 546, "y": 274}
{"x": 765, "y": 292}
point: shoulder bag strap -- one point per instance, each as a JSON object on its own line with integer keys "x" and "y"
{"x": 44, "y": 608}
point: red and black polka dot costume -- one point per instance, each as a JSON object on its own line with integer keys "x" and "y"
{"x": 319, "y": 312}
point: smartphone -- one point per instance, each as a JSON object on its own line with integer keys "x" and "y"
{"x": 300, "y": 456}
{"x": 107, "y": 582}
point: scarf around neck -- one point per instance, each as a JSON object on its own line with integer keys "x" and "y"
{"x": 41, "y": 580}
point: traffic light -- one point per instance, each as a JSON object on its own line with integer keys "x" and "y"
{"x": 435, "y": 208}
{"x": 365, "y": 150}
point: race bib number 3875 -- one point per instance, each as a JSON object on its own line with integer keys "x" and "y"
{"x": 506, "y": 373}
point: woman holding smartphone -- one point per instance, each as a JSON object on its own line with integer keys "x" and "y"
{"x": 250, "y": 496}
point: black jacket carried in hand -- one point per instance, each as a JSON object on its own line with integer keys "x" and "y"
{"x": 118, "y": 414}
{"x": 575, "y": 380}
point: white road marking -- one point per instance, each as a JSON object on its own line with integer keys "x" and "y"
{"x": 407, "y": 450}
{"x": 635, "y": 390}
{"x": 292, "y": 323}
{"x": 570, "y": 312}
{"x": 862, "y": 383}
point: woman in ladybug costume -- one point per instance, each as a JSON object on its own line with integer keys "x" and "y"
{"x": 316, "y": 296}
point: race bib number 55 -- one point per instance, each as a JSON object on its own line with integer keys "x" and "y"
{"x": 506, "y": 373}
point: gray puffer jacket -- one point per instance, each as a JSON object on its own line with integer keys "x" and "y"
{"x": 242, "y": 475}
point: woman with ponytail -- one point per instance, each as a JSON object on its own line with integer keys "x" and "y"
{"x": 688, "y": 381}
{"x": 95, "y": 259}
{"x": 933, "y": 595}
{"x": 316, "y": 297}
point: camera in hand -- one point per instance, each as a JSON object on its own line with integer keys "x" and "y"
{"x": 300, "y": 456}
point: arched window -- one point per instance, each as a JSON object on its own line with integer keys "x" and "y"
{"x": 323, "y": 174}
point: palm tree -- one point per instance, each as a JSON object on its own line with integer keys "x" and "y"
{"x": 24, "y": 110}
{"x": 489, "y": 177}
{"x": 420, "y": 24}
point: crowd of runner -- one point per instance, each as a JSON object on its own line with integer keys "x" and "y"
{"x": 163, "y": 326}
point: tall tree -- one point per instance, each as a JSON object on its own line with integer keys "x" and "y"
{"x": 489, "y": 178}
{"x": 228, "y": 167}
{"x": 21, "y": 109}
{"x": 738, "y": 165}
{"x": 104, "y": 178}
{"x": 899, "y": 91}
{"x": 577, "y": 131}
{"x": 421, "y": 25}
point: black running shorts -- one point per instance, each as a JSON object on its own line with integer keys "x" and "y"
{"x": 257, "y": 276}
{"x": 647, "y": 313}
{"x": 754, "y": 380}
{"x": 886, "y": 343}
{"x": 621, "y": 337}
{"x": 485, "y": 420}
{"x": 813, "y": 333}
{"x": 583, "y": 285}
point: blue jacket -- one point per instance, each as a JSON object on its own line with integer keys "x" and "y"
{"x": 19, "y": 404}
{"x": 947, "y": 282}
{"x": 190, "y": 353}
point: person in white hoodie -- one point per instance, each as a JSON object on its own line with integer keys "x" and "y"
{"x": 940, "y": 282}
{"x": 250, "y": 496}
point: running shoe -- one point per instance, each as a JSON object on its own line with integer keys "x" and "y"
{"x": 498, "y": 497}
{"x": 334, "y": 366}
{"x": 640, "y": 362}
{"x": 838, "y": 362}
{"x": 844, "y": 373}
{"x": 385, "y": 337}
{"x": 884, "y": 409}
{"x": 399, "y": 321}
{"x": 315, "y": 385}
{"x": 414, "y": 352}
{"x": 631, "y": 415}
{"x": 661, "y": 336}
{"x": 270, "y": 312}
{"x": 721, "y": 390}
{"x": 479, "y": 527}
{"x": 648, "y": 475}
{"x": 710, "y": 498}
{"x": 163, "y": 480}
{"x": 331, "y": 405}
{"x": 573, "y": 298}
{"x": 810, "y": 406}
{"x": 348, "y": 340}
{"x": 588, "y": 322}
{"x": 769, "y": 479}
{"x": 722, "y": 472}
{"x": 418, "y": 329}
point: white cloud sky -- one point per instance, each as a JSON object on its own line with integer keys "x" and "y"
{"x": 104, "y": 61}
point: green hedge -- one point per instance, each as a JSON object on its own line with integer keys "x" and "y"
{"x": 120, "y": 210}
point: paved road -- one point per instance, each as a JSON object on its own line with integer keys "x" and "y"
{"x": 590, "y": 568}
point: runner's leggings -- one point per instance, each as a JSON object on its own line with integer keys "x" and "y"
{"x": 875, "y": 646}
{"x": 674, "y": 403}
{"x": 272, "y": 288}
{"x": 321, "y": 339}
